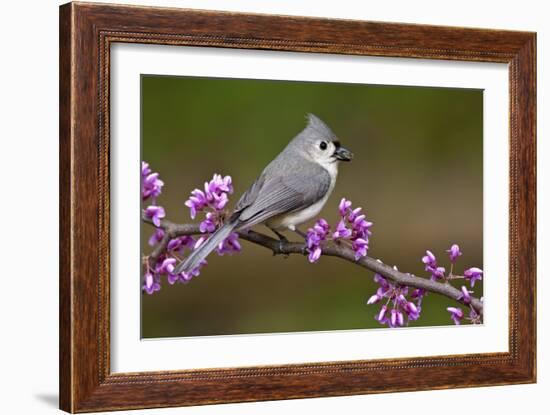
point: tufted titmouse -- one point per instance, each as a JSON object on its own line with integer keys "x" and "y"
{"x": 292, "y": 189}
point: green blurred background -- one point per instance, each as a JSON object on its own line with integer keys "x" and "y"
{"x": 417, "y": 173}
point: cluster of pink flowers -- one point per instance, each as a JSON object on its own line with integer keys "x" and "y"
{"x": 457, "y": 314}
{"x": 401, "y": 306}
{"x": 151, "y": 188}
{"x": 352, "y": 227}
{"x": 472, "y": 274}
{"x": 213, "y": 196}
{"x": 401, "y": 301}
{"x": 151, "y": 185}
{"x": 211, "y": 201}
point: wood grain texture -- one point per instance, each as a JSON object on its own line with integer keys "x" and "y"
{"x": 65, "y": 244}
{"x": 86, "y": 33}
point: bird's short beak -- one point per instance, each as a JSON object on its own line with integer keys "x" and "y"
{"x": 343, "y": 154}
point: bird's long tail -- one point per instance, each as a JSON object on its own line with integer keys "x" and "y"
{"x": 198, "y": 255}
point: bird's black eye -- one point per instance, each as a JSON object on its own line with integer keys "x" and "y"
{"x": 323, "y": 145}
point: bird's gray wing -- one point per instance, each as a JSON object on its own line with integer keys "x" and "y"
{"x": 286, "y": 193}
{"x": 251, "y": 194}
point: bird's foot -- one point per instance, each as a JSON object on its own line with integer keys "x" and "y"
{"x": 282, "y": 242}
{"x": 305, "y": 250}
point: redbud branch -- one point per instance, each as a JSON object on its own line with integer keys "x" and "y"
{"x": 173, "y": 230}
{"x": 160, "y": 247}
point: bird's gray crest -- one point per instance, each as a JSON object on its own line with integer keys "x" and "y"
{"x": 318, "y": 128}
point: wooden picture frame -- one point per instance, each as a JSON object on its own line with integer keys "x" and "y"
{"x": 86, "y": 33}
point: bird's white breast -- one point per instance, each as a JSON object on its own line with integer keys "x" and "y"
{"x": 293, "y": 219}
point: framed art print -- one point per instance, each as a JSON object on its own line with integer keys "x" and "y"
{"x": 260, "y": 207}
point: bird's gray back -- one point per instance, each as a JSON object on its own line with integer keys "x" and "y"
{"x": 288, "y": 183}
